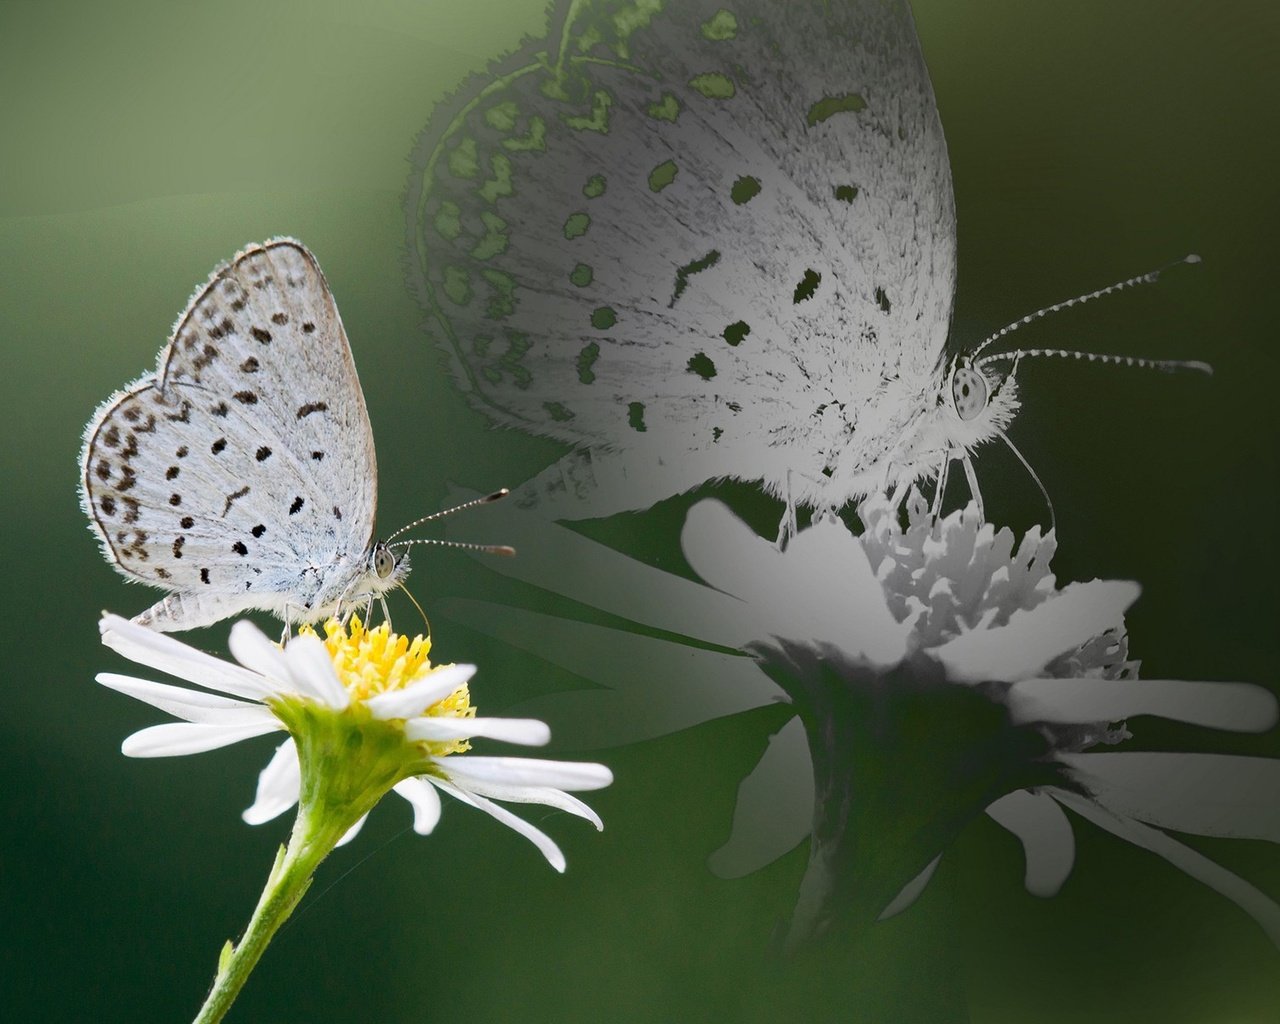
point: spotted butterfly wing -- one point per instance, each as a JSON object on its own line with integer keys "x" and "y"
{"x": 241, "y": 474}
{"x": 703, "y": 241}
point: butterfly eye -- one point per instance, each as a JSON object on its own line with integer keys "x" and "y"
{"x": 968, "y": 392}
{"x": 384, "y": 562}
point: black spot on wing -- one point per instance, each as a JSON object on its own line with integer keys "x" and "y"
{"x": 233, "y": 497}
{"x": 807, "y": 286}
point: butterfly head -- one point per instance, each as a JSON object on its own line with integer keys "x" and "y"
{"x": 386, "y": 566}
{"x": 975, "y": 402}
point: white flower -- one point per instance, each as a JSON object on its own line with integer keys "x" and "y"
{"x": 414, "y": 722}
{"x": 935, "y": 648}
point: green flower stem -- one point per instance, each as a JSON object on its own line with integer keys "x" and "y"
{"x": 348, "y": 761}
{"x": 289, "y": 880}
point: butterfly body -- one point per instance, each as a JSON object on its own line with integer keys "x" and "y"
{"x": 699, "y": 242}
{"x": 241, "y": 474}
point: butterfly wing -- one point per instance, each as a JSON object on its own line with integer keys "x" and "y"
{"x": 717, "y": 240}
{"x": 242, "y": 472}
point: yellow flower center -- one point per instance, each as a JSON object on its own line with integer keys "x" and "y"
{"x": 374, "y": 661}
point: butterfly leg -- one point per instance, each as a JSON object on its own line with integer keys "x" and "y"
{"x": 935, "y": 510}
{"x": 386, "y": 612}
{"x": 787, "y": 528}
{"x": 337, "y": 606}
{"x": 972, "y": 477}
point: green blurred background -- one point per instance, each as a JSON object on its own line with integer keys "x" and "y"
{"x": 146, "y": 140}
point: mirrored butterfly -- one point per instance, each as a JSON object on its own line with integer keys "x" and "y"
{"x": 706, "y": 240}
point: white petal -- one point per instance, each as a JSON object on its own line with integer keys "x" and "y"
{"x": 417, "y": 697}
{"x": 175, "y": 738}
{"x": 1032, "y": 638}
{"x": 911, "y": 891}
{"x": 165, "y": 654}
{"x": 424, "y": 799}
{"x": 535, "y": 835}
{"x": 1048, "y": 844}
{"x": 191, "y": 705}
{"x": 278, "y": 785}
{"x": 556, "y": 798}
{"x": 527, "y": 731}
{"x": 352, "y": 832}
{"x": 1241, "y": 707}
{"x": 774, "y": 811}
{"x": 312, "y": 669}
{"x": 1204, "y": 794}
{"x": 820, "y": 589}
{"x": 250, "y": 646}
{"x": 527, "y": 771}
{"x": 1253, "y": 902}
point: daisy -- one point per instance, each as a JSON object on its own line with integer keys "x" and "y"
{"x": 937, "y": 672}
{"x": 365, "y": 712}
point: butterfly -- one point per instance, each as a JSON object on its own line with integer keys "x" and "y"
{"x": 706, "y": 240}
{"x": 241, "y": 474}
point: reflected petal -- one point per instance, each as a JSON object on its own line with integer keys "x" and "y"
{"x": 1248, "y": 898}
{"x": 774, "y": 811}
{"x": 1203, "y": 794}
{"x": 1032, "y": 638}
{"x": 561, "y": 561}
{"x": 655, "y": 686}
{"x": 911, "y": 891}
{"x": 1048, "y": 844}
{"x": 1241, "y": 707}
{"x": 820, "y": 588}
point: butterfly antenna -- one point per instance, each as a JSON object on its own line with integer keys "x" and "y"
{"x": 1163, "y": 365}
{"x": 425, "y": 621}
{"x": 1053, "y": 518}
{"x": 487, "y": 499}
{"x": 489, "y": 549}
{"x": 1150, "y": 277}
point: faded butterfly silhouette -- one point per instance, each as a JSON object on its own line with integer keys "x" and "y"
{"x": 703, "y": 240}
{"x": 241, "y": 474}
